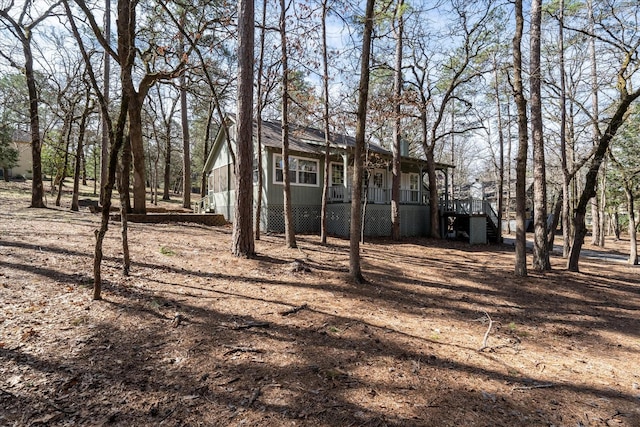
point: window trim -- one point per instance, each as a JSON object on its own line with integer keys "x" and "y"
{"x": 344, "y": 174}
{"x": 297, "y": 170}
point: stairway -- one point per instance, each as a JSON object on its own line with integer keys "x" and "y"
{"x": 492, "y": 231}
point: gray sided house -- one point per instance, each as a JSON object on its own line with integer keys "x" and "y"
{"x": 306, "y": 171}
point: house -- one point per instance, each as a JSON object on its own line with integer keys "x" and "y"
{"x": 21, "y": 141}
{"x": 306, "y": 169}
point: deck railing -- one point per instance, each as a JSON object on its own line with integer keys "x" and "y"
{"x": 204, "y": 205}
{"x": 470, "y": 207}
{"x": 339, "y": 194}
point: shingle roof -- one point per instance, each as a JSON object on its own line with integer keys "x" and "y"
{"x": 308, "y": 139}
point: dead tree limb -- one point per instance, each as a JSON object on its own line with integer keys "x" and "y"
{"x": 486, "y": 334}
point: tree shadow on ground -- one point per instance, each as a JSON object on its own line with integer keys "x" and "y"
{"x": 180, "y": 345}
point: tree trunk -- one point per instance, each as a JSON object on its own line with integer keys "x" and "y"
{"x": 79, "y": 151}
{"x": 602, "y": 216}
{"x": 289, "y": 232}
{"x": 116, "y": 144}
{"x": 125, "y": 177}
{"x": 434, "y": 213}
{"x": 595, "y": 219}
{"x": 566, "y": 178}
{"x": 205, "y": 149}
{"x": 633, "y": 241}
{"x": 126, "y": 24}
{"x": 104, "y": 162}
{"x": 260, "y": 184}
{"x": 116, "y": 138}
{"x": 397, "y": 136}
{"x": 243, "y": 243}
{"x": 123, "y": 190}
{"x": 501, "y": 151}
{"x": 325, "y": 120}
{"x": 595, "y": 114}
{"x": 355, "y": 271}
{"x": 84, "y": 168}
{"x": 540, "y": 248}
{"x": 523, "y": 137}
{"x": 156, "y": 180}
{"x": 37, "y": 189}
{"x": 186, "y": 148}
{"x": 508, "y": 201}
{"x": 167, "y": 168}
{"x": 591, "y": 178}
{"x": 551, "y": 231}
{"x": 137, "y": 151}
{"x": 65, "y": 161}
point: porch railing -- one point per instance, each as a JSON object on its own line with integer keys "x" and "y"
{"x": 374, "y": 195}
{"x": 470, "y": 207}
{"x": 204, "y": 205}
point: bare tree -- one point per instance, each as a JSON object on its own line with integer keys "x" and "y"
{"x": 260, "y": 104}
{"x": 184, "y": 120}
{"x": 23, "y": 28}
{"x": 325, "y": 122}
{"x": 398, "y": 29}
{"x": 106, "y": 82}
{"x": 243, "y": 243}
{"x": 116, "y": 138}
{"x": 136, "y": 87}
{"x": 290, "y": 236}
{"x": 86, "y": 112}
{"x": 595, "y": 114}
{"x": 629, "y": 178}
{"x": 540, "y": 248}
{"x": 623, "y": 45}
{"x": 523, "y": 141}
{"x": 500, "y": 148}
{"x": 434, "y": 94}
{"x": 355, "y": 270}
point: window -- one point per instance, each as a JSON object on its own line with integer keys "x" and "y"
{"x": 413, "y": 186}
{"x": 337, "y": 174}
{"x": 413, "y": 182}
{"x": 301, "y": 171}
{"x": 219, "y": 180}
{"x": 378, "y": 179}
{"x": 255, "y": 169}
{"x": 307, "y": 172}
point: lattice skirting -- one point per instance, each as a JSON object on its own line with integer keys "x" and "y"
{"x": 414, "y": 220}
{"x": 306, "y": 218}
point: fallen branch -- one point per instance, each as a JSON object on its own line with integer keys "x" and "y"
{"x": 243, "y": 350}
{"x": 294, "y": 310}
{"x": 486, "y": 334}
{"x": 533, "y": 387}
{"x": 249, "y": 325}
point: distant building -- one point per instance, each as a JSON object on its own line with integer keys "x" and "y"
{"x": 21, "y": 141}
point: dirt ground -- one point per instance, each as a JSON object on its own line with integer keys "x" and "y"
{"x": 197, "y": 337}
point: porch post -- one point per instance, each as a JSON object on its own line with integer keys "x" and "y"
{"x": 345, "y": 184}
{"x": 420, "y": 185}
{"x": 446, "y": 189}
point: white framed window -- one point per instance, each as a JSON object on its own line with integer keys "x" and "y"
{"x": 302, "y": 171}
{"x": 413, "y": 181}
{"x": 337, "y": 174}
{"x": 378, "y": 179}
